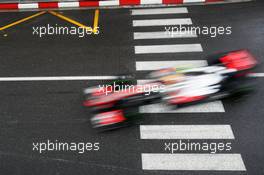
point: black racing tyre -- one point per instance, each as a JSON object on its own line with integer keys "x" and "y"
{"x": 238, "y": 86}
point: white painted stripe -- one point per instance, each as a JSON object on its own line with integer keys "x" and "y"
{"x": 64, "y": 78}
{"x": 176, "y": 48}
{"x": 192, "y": 1}
{"x": 192, "y": 162}
{"x": 143, "y": 81}
{"x": 150, "y": 2}
{"x": 162, "y": 22}
{"x": 155, "y": 11}
{"x": 163, "y": 34}
{"x": 256, "y": 75}
{"x": 109, "y": 3}
{"x": 155, "y": 65}
{"x": 210, "y": 107}
{"x": 28, "y": 6}
{"x": 68, "y": 4}
{"x": 186, "y": 132}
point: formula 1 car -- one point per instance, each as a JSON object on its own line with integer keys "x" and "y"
{"x": 225, "y": 76}
{"x": 115, "y": 105}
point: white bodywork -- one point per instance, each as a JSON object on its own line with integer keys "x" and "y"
{"x": 198, "y": 85}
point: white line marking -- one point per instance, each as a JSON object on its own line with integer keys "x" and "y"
{"x": 176, "y": 48}
{"x": 155, "y": 11}
{"x": 192, "y": 1}
{"x": 28, "y": 6}
{"x": 186, "y": 132}
{"x": 162, "y": 22}
{"x": 192, "y": 162}
{"x": 68, "y": 4}
{"x": 143, "y": 2}
{"x": 256, "y": 75}
{"x": 63, "y": 78}
{"x": 109, "y": 3}
{"x": 210, "y": 107}
{"x": 155, "y": 65}
{"x": 163, "y": 34}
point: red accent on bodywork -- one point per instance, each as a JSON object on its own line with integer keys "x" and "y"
{"x": 185, "y": 99}
{"x": 88, "y": 103}
{"x": 240, "y": 60}
{"x": 117, "y": 117}
{"x": 102, "y": 91}
{"x": 113, "y": 97}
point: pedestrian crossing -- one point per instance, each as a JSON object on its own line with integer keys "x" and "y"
{"x": 177, "y": 161}
{"x": 186, "y": 132}
{"x": 193, "y": 162}
{"x": 155, "y": 65}
{"x": 162, "y": 22}
{"x": 172, "y": 48}
{"x": 210, "y": 107}
{"x": 159, "y": 11}
{"x": 162, "y": 35}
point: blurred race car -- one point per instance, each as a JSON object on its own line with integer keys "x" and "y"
{"x": 116, "y": 104}
{"x": 225, "y": 76}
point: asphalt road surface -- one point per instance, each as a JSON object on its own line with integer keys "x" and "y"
{"x": 34, "y": 112}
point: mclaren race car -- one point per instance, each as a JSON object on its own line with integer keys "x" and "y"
{"x": 225, "y": 76}
{"x": 116, "y": 104}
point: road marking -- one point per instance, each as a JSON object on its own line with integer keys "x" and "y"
{"x": 256, "y": 75}
{"x": 175, "y": 48}
{"x": 28, "y": 6}
{"x": 59, "y": 78}
{"x": 192, "y": 162}
{"x": 154, "y": 11}
{"x": 162, "y": 22}
{"x": 143, "y": 2}
{"x": 155, "y": 65}
{"x": 70, "y": 20}
{"x": 163, "y": 34}
{"x": 210, "y": 107}
{"x": 22, "y": 20}
{"x": 96, "y": 19}
{"x": 109, "y": 3}
{"x": 186, "y": 132}
{"x": 68, "y": 4}
{"x": 192, "y": 1}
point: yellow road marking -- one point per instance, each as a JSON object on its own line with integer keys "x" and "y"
{"x": 94, "y": 29}
{"x": 96, "y": 19}
{"x": 22, "y": 20}
{"x": 70, "y": 20}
